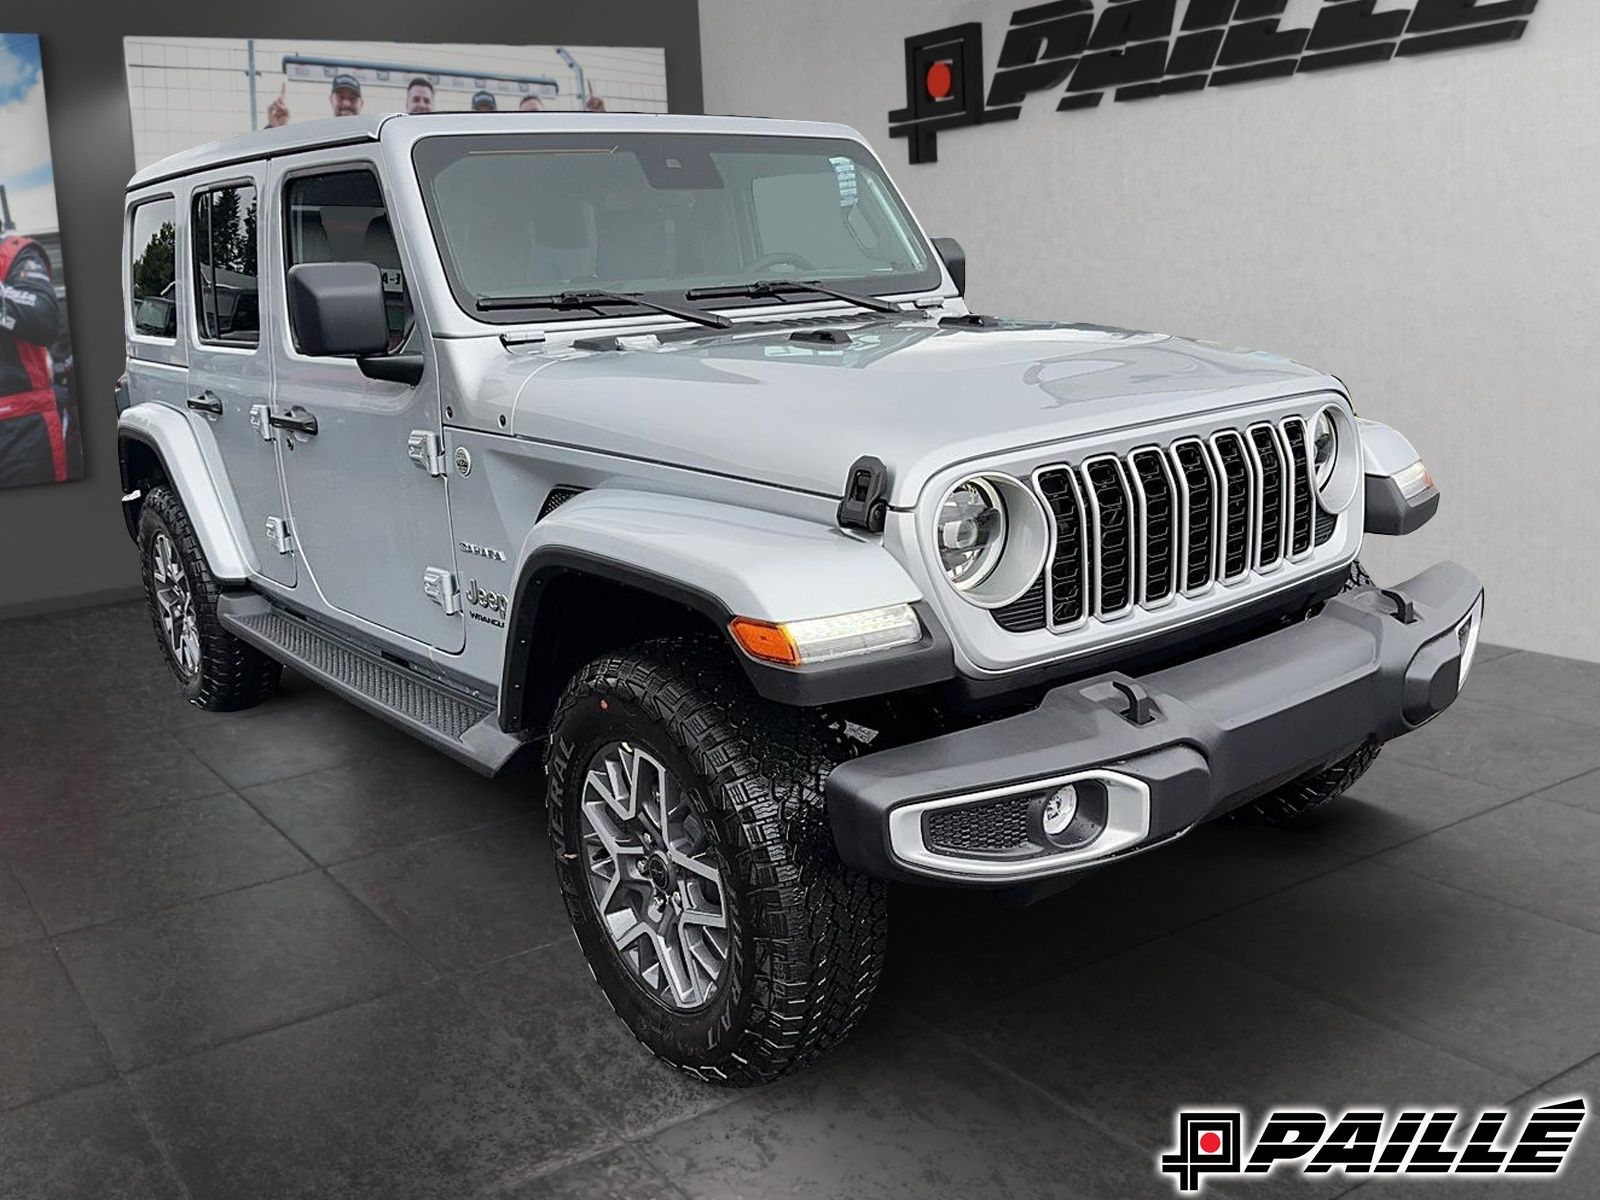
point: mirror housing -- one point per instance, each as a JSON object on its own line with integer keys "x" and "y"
{"x": 337, "y": 309}
{"x": 955, "y": 261}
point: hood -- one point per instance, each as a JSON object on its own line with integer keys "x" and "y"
{"x": 756, "y": 404}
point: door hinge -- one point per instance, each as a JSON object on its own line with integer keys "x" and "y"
{"x": 425, "y": 450}
{"x": 439, "y": 585}
{"x": 261, "y": 418}
{"x": 278, "y": 534}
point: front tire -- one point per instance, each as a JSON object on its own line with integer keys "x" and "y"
{"x": 698, "y": 864}
{"x": 214, "y": 669}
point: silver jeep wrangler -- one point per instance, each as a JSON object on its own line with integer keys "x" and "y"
{"x": 662, "y": 453}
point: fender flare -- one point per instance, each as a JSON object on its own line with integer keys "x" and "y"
{"x": 721, "y": 561}
{"x": 1386, "y": 451}
{"x": 167, "y": 433}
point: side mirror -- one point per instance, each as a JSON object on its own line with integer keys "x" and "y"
{"x": 955, "y": 261}
{"x": 337, "y": 309}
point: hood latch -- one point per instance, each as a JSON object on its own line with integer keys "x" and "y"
{"x": 866, "y": 496}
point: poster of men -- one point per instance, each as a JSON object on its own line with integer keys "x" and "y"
{"x": 185, "y": 92}
{"x": 39, "y": 437}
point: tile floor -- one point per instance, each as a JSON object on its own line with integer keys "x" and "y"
{"x": 290, "y": 953}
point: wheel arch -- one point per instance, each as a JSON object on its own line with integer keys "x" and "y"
{"x": 155, "y": 446}
{"x": 613, "y": 567}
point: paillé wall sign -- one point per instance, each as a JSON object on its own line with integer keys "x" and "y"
{"x": 1139, "y": 49}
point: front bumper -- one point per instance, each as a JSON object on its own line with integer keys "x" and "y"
{"x": 1152, "y": 757}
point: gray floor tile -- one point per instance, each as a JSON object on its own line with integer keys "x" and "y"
{"x": 1215, "y": 868}
{"x": 87, "y": 1143}
{"x": 17, "y": 922}
{"x": 1493, "y": 984}
{"x": 1539, "y": 683}
{"x": 415, "y": 1095}
{"x": 126, "y": 863}
{"x": 1396, "y": 802}
{"x": 99, "y": 772}
{"x": 468, "y": 898}
{"x": 952, "y": 949}
{"x": 48, "y": 1044}
{"x": 1165, "y": 1026}
{"x": 548, "y": 999}
{"x": 1533, "y": 854}
{"x": 1488, "y": 652}
{"x": 1517, "y": 751}
{"x": 292, "y": 739}
{"x": 417, "y": 793}
{"x": 226, "y": 966}
{"x": 620, "y": 1174}
{"x": 1582, "y": 792}
{"x": 906, "y": 1119}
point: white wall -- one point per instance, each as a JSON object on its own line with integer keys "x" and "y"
{"x": 1427, "y": 229}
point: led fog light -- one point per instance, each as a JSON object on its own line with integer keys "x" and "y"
{"x": 1060, "y": 807}
{"x": 1069, "y": 815}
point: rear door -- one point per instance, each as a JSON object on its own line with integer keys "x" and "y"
{"x": 230, "y": 369}
{"x": 366, "y": 494}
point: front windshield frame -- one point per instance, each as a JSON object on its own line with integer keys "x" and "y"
{"x": 432, "y": 154}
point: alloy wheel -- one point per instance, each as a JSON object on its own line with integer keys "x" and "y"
{"x": 175, "y": 605}
{"x": 653, "y": 877}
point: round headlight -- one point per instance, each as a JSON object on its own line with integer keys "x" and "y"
{"x": 1324, "y": 448}
{"x": 972, "y": 532}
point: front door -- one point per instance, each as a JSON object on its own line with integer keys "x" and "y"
{"x": 370, "y": 521}
{"x": 230, "y": 372}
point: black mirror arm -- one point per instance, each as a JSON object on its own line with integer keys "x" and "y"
{"x": 392, "y": 368}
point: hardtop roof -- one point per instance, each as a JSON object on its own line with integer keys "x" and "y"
{"x": 344, "y": 131}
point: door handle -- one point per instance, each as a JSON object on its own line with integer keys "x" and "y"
{"x": 206, "y": 403}
{"x": 296, "y": 420}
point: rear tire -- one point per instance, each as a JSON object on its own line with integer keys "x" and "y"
{"x": 802, "y": 940}
{"x": 1317, "y": 788}
{"x": 214, "y": 669}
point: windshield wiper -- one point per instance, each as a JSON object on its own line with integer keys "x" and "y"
{"x": 776, "y": 288}
{"x": 596, "y": 300}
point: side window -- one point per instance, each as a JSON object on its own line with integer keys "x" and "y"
{"x": 223, "y": 234}
{"x": 339, "y": 216}
{"x": 153, "y": 280}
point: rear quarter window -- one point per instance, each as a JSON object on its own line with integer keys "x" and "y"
{"x": 153, "y": 273}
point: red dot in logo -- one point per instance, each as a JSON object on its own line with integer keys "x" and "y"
{"x": 1210, "y": 1143}
{"x": 939, "y": 80}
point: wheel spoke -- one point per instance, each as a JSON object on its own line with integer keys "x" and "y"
{"x": 652, "y": 876}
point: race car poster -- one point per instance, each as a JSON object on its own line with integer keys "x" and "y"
{"x": 39, "y": 437}
{"x": 184, "y": 92}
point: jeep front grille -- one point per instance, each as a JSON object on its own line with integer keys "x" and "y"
{"x": 1138, "y": 530}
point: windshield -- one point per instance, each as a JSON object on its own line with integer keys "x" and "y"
{"x": 531, "y": 215}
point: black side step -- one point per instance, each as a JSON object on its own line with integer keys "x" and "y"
{"x": 460, "y": 724}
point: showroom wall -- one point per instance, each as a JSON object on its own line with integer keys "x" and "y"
{"x": 64, "y": 544}
{"x": 1423, "y": 228}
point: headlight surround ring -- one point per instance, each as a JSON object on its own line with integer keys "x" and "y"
{"x": 1338, "y": 483}
{"x": 1019, "y": 549}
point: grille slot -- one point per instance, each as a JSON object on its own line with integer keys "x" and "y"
{"x": 996, "y": 827}
{"x": 1069, "y": 568}
{"x": 1137, "y": 531}
{"x": 1266, "y": 456}
{"x": 1302, "y": 502}
{"x": 1111, "y": 522}
{"x": 1238, "y": 504}
{"x": 1197, "y": 487}
{"x": 1156, "y": 492}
